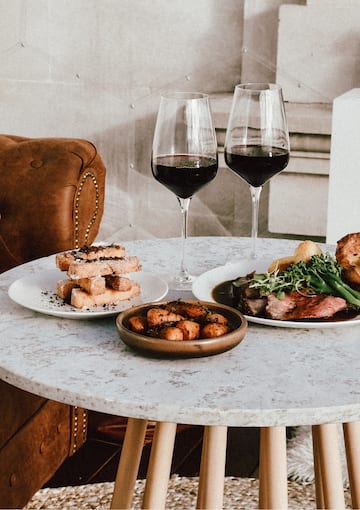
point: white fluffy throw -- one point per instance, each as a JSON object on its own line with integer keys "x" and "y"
{"x": 300, "y": 456}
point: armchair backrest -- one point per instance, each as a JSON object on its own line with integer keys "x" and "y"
{"x": 51, "y": 196}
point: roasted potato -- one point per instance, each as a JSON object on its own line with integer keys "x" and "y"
{"x": 190, "y": 310}
{"x": 158, "y": 316}
{"x": 305, "y": 251}
{"x": 195, "y": 322}
{"x": 216, "y": 317}
{"x": 172, "y": 333}
{"x": 138, "y": 324}
{"x": 190, "y": 329}
{"x": 280, "y": 264}
{"x": 213, "y": 330}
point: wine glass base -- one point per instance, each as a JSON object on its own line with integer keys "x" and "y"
{"x": 181, "y": 282}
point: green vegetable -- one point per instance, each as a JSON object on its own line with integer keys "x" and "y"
{"x": 321, "y": 275}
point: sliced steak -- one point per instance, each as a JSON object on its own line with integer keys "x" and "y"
{"x": 255, "y": 307}
{"x": 295, "y": 306}
{"x": 250, "y": 301}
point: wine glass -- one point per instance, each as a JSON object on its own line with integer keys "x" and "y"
{"x": 184, "y": 156}
{"x": 257, "y": 140}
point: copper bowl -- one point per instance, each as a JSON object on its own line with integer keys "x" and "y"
{"x": 186, "y": 348}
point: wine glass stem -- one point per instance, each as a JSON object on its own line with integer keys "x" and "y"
{"x": 184, "y": 207}
{"x": 255, "y": 200}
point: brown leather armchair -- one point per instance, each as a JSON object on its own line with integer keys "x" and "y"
{"x": 51, "y": 196}
{"x": 51, "y": 199}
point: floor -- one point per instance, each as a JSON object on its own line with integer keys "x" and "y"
{"x": 97, "y": 460}
{"x": 239, "y": 494}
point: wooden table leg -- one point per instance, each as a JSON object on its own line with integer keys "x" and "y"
{"x": 330, "y": 473}
{"x": 204, "y": 454}
{"x": 273, "y": 468}
{"x": 352, "y": 446}
{"x": 262, "y": 470}
{"x": 212, "y": 468}
{"x": 319, "y": 495}
{"x": 129, "y": 463}
{"x": 158, "y": 474}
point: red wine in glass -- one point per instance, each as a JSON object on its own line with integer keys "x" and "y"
{"x": 257, "y": 140}
{"x": 184, "y": 174}
{"x": 184, "y": 158}
{"x": 256, "y": 164}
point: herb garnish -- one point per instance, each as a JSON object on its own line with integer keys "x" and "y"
{"x": 321, "y": 275}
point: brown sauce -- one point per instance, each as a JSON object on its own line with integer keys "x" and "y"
{"x": 224, "y": 293}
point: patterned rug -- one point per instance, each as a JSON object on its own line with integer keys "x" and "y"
{"x": 239, "y": 493}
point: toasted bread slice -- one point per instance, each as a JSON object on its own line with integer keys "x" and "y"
{"x": 89, "y": 268}
{"x": 95, "y": 285}
{"x": 117, "y": 282}
{"x": 63, "y": 260}
{"x": 81, "y": 299}
{"x": 64, "y": 289}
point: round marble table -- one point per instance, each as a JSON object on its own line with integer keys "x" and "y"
{"x": 275, "y": 377}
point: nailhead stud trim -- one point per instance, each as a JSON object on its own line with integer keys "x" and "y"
{"x": 77, "y": 205}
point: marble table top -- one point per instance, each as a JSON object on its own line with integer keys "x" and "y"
{"x": 275, "y": 376}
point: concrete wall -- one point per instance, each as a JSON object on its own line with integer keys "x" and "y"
{"x": 260, "y": 38}
{"x": 317, "y": 61}
{"x": 320, "y": 60}
{"x": 96, "y": 68}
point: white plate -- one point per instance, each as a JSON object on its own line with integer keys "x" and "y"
{"x": 38, "y": 292}
{"x": 203, "y": 287}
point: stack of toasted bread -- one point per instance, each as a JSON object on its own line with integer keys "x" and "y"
{"x": 96, "y": 276}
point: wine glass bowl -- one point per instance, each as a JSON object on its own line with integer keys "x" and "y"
{"x": 184, "y": 174}
{"x": 184, "y": 157}
{"x": 257, "y": 143}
